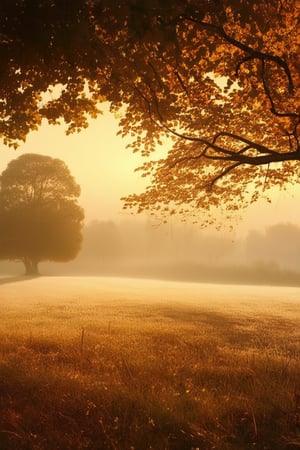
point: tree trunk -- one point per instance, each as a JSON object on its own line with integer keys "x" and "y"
{"x": 31, "y": 266}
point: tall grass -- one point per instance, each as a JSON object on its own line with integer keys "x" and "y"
{"x": 80, "y": 371}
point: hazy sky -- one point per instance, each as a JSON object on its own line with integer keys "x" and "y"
{"x": 105, "y": 171}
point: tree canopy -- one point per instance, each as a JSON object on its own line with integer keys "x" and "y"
{"x": 39, "y": 216}
{"x": 221, "y": 78}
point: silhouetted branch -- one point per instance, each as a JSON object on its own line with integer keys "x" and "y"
{"x": 269, "y": 95}
{"x": 252, "y": 54}
{"x": 267, "y": 155}
{"x": 228, "y": 169}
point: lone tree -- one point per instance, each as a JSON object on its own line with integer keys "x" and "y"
{"x": 220, "y": 78}
{"x": 40, "y": 219}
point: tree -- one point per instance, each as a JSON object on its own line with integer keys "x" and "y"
{"x": 39, "y": 216}
{"x": 221, "y": 78}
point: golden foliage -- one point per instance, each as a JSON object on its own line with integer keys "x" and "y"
{"x": 221, "y": 78}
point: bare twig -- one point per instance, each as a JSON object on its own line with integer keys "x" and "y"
{"x": 81, "y": 342}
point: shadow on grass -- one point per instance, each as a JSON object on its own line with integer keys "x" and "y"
{"x": 239, "y": 331}
{"x": 15, "y": 279}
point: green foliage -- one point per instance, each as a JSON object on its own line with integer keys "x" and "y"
{"x": 39, "y": 215}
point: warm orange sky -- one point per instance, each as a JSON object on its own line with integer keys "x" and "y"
{"x": 105, "y": 171}
{"x": 96, "y": 158}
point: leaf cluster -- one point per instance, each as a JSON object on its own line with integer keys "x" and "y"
{"x": 221, "y": 79}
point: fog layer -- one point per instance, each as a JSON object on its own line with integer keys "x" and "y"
{"x": 184, "y": 252}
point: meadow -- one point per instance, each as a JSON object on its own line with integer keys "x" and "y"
{"x": 122, "y": 364}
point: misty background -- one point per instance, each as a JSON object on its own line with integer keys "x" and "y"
{"x": 182, "y": 251}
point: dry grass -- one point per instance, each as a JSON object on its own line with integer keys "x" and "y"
{"x": 122, "y": 364}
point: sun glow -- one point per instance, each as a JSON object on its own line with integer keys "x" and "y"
{"x": 105, "y": 170}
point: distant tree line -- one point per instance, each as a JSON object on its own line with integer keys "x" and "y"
{"x": 108, "y": 242}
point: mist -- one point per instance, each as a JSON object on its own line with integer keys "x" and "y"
{"x": 183, "y": 252}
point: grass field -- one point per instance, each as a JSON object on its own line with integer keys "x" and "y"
{"x": 104, "y": 363}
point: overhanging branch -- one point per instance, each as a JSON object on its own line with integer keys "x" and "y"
{"x": 269, "y": 95}
{"x": 266, "y": 155}
{"x": 216, "y": 152}
{"x": 252, "y": 54}
{"x": 224, "y": 172}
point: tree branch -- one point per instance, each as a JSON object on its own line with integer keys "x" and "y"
{"x": 157, "y": 77}
{"x": 266, "y": 156}
{"x": 269, "y": 95}
{"x": 250, "y": 144}
{"x": 222, "y": 174}
{"x": 253, "y": 54}
{"x": 177, "y": 74}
